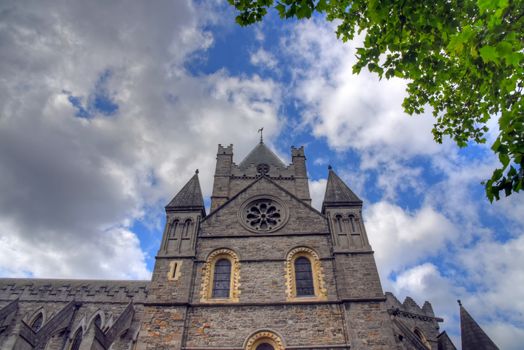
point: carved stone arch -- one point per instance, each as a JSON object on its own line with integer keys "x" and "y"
{"x": 76, "y": 336}
{"x": 109, "y": 320}
{"x": 30, "y": 318}
{"x": 175, "y": 223}
{"x": 422, "y": 337}
{"x": 188, "y": 222}
{"x": 337, "y": 222}
{"x": 264, "y": 336}
{"x": 81, "y": 324}
{"x": 101, "y": 314}
{"x": 317, "y": 271}
{"x": 208, "y": 271}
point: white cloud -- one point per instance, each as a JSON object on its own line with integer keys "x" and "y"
{"x": 400, "y": 239}
{"x": 352, "y": 111}
{"x": 71, "y": 186}
{"x": 317, "y": 190}
{"x": 263, "y": 58}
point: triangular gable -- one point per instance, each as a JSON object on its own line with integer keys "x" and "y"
{"x": 302, "y": 217}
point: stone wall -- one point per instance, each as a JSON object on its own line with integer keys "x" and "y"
{"x": 299, "y": 325}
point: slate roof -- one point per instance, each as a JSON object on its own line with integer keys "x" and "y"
{"x": 337, "y": 192}
{"x": 261, "y": 154}
{"x": 189, "y": 197}
{"x": 473, "y": 337}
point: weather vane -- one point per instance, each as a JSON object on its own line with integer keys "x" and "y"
{"x": 261, "y": 136}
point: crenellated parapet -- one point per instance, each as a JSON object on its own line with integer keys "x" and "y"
{"x": 66, "y": 290}
{"x": 413, "y": 324}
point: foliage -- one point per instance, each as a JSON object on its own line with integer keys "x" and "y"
{"x": 464, "y": 58}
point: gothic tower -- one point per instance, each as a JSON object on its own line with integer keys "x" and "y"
{"x": 264, "y": 269}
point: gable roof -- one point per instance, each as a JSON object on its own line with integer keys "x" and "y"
{"x": 473, "y": 337}
{"x": 251, "y": 185}
{"x": 189, "y": 197}
{"x": 261, "y": 154}
{"x": 337, "y": 192}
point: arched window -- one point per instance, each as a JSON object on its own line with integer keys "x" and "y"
{"x": 265, "y": 346}
{"x": 352, "y": 221}
{"x": 222, "y": 279}
{"x": 98, "y": 321}
{"x": 187, "y": 226}
{"x": 264, "y": 340}
{"x": 77, "y": 340}
{"x": 37, "y": 322}
{"x": 304, "y": 277}
{"x": 174, "y": 227}
{"x": 338, "y": 219}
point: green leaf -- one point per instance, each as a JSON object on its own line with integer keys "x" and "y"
{"x": 504, "y": 159}
{"x": 489, "y": 54}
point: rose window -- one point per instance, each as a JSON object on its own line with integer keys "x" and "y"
{"x": 263, "y": 215}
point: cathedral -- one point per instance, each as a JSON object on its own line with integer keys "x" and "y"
{"x": 263, "y": 270}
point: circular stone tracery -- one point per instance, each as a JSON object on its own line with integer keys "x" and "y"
{"x": 263, "y": 215}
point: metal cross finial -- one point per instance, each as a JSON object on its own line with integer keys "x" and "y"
{"x": 261, "y": 136}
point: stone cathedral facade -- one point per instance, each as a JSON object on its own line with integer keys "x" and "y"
{"x": 263, "y": 270}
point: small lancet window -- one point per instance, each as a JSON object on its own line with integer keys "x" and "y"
{"x": 187, "y": 225}
{"x": 98, "y": 321}
{"x": 77, "y": 340}
{"x": 174, "y": 227}
{"x": 222, "y": 279}
{"x": 352, "y": 221}
{"x": 304, "y": 277}
{"x": 338, "y": 218}
{"x": 37, "y": 322}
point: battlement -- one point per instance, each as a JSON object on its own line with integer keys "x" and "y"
{"x": 225, "y": 150}
{"x": 297, "y": 151}
{"x": 79, "y": 290}
{"x": 410, "y": 308}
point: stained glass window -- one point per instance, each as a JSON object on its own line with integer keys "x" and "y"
{"x": 222, "y": 279}
{"x": 304, "y": 277}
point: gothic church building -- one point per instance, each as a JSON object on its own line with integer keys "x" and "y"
{"x": 263, "y": 270}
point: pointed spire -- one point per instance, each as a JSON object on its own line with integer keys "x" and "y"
{"x": 261, "y": 154}
{"x": 189, "y": 197}
{"x": 338, "y": 193}
{"x": 473, "y": 337}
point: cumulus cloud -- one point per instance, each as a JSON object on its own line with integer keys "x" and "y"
{"x": 263, "y": 58}
{"x": 393, "y": 232}
{"x": 99, "y": 120}
{"x": 352, "y": 111}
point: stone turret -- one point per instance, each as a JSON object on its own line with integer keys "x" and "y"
{"x": 231, "y": 179}
{"x": 184, "y": 212}
{"x": 344, "y": 212}
{"x": 222, "y": 176}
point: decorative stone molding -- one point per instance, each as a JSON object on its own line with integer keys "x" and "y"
{"x": 263, "y": 214}
{"x": 318, "y": 275}
{"x": 264, "y": 337}
{"x": 207, "y": 277}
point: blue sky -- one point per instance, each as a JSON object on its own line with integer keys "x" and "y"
{"x": 108, "y": 109}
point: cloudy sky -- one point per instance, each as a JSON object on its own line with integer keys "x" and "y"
{"x": 107, "y": 109}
